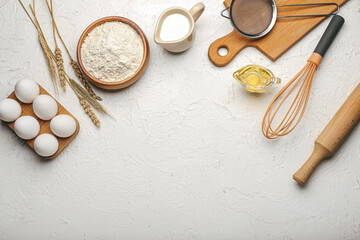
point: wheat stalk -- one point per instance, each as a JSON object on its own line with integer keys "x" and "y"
{"x": 88, "y": 88}
{"x": 73, "y": 63}
{"x": 48, "y": 54}
{"x": 85, "y": 96}
{"x": 58, "y": 54}
{"x": 85, "y": 105}
{"x": 89, "y": 98}
{"x": 49, "y": 61}
{"x": 44, "y": 46}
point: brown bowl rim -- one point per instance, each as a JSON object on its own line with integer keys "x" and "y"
{"x": 119, "y": 84}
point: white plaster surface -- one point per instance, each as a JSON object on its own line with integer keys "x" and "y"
{"x": 186, "y": 158}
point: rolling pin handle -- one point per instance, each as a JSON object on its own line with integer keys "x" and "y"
{"x": 303, "y": 174}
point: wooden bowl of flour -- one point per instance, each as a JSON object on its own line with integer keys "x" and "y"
{"x": 114, "y": 85}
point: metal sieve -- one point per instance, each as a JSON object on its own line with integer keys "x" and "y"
{"x": 256, "y": 18}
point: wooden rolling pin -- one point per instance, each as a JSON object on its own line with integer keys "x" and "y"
{"x": 333, "y": 135}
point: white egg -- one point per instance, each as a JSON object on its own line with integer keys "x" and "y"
{"x": 63, "y": 125}
{"x": 46, "y": 145}
{"x": 45, "y": 107}
{"x": 10, "y": 110}
{"x": 27, "y": 127}
{"x": 26, "y": 90}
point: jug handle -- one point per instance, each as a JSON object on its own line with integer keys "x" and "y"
{"x": 197, "y": 10}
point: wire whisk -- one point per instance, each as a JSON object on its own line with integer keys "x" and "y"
{"x": 305, "y": 79}
{"x": 298, "y": 106}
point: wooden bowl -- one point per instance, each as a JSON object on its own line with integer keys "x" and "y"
{"x": 120, "y": 84}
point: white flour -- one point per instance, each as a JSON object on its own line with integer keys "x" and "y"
{"x": 112, "y": 52}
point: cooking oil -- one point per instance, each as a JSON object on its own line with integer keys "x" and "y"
{"x": 255, "y": 78}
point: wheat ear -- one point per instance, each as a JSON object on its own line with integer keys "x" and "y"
{"x": 78, "y": 73}
{"x": 60, "y": 65}
{"x": 50, "y": 62}
{"x": 44, "y": 46}
{"x": 58, "y": 54}
{"x": 89, "y": 111}
{"x": 85, "y": 105}
{"x": 46, "y": 49}
{"x": 89, "y": 98}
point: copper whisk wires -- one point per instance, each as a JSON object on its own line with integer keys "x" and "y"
{"x": 303, "y": 80}
{"x": 297, "y": 108}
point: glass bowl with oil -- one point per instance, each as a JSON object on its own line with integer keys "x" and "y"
{"x": 255, "y": 78}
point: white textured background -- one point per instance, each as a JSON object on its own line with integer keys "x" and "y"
{"x": 186, "y": 158}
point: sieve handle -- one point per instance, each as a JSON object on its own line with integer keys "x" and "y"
{"x": 311, "y": 4}
{"x": 225, "y": 10}
{"x": 329, "y": 35}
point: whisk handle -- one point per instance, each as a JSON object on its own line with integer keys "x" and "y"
{"x": 329, "y": 35}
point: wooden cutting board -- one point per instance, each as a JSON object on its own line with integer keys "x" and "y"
{"x": 286, "y": 32}
{"x": 27, "y": 110}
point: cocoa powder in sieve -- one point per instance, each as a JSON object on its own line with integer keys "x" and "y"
{"x": 251, "y": 16}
